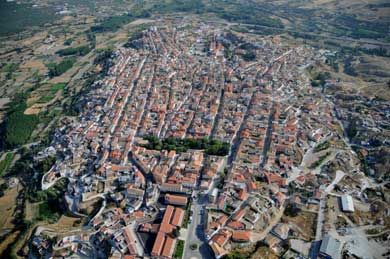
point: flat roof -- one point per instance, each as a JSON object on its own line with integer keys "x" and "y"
{"x": 347, "y": 203}
{"x": 331, "y": 247}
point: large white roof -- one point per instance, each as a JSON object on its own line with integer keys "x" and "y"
{"x": 347, "y": 203}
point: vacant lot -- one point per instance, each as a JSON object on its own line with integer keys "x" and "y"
{"x": 303, "y": 224}
{"x": 7, "y": 206}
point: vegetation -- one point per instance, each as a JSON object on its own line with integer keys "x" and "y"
{"x": 187, "y": 215}
{"x": 233, "y": 11}
{"x": 351, "y": 26}
{"x": 103, "y": 55}
{"x": 113, "y": 23}
{"x": 352, "y": 129}
{"x": 51, "y": 195}
{"x": 237, "y": 254}
{"x": 373, "y": 231}
{"x": 80, "y": 51}
{"x": 18, "y": 126}
{"x": 16, "y": 17}
{"x": 48, "y": 212}
{"x": 3, "y": 187}
{"x": 179, "y": 250}
{"x": 194, "y": 246}
{"x": 6, "y": 162}
{"x": 322, "y": 146}
{"x": 363, "y": 161}
{"x": 211, "y": 146}
{"x": 52, "y": 92}
{"x": 62, "y": 67}
{"x": 291, "y": 210}
{"x": 249, "y": 56}
{"x": 68, "y": 42}
{"x": 320, "y": 78}
{"x": 9, "y": 68}
{"x": 348, "y": 68}
{"x": 320, "y": 160}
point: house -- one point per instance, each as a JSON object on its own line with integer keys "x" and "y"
{"x": 219, "y": 252}
{"x": 222, "y": 237}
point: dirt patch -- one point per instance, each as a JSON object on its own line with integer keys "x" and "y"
{"x": 65, "y": 223}
{"x": 34, "y": 64}
{"x": 32, "y": 99}
{"x": 11, "y": 239}
{"x": 264, "y": 252}
{"x": 32, "y": 110}
{"x": 4, "y": 102}
{"x": 67, "y": 18}
{"x": 37, "y": 37}
{"x": 31, "y": 209}
{"x": 7, "y": 206}
{"x": 303, "y": 224}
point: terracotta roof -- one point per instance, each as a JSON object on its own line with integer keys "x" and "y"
{"x": 169, "y": 246}
{"x": 221, "y": 237}
{"x": 236, "y": 225}
{"x": 222, "y": 220}
{"x": 178, "y": 217}
{"x": 158, "y": 244}
{"x": 274, "y": 178}
{"x": 239, "y": 214}
{"x": 242, "y": 194}
{"x": 218, "y": 251}
{"x": 175, "y": 199}
{"x": 241, "y": 236}
{"x": 168, "y": 214}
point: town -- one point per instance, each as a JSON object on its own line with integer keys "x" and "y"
{"x": 200, "y": 142}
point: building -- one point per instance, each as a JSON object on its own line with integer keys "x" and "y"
{"x": 165, "y": 244}
{"x": 330, "y": 248}
{"x": 241, "y": 236}
{"x": 213, "y": 196}
{"x": 175, "y": 199}
{"x": 171, "y": 187}
{"x": 347, "y": 203}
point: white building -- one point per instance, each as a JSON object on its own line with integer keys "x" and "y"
{"x": 330, "y": 248}
{"x": 347, "y": 203}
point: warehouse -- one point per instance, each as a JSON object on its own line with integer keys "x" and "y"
{"x": 330, "y": 248}
{"x": 347, "y": 203}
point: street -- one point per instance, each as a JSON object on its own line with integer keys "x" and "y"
{"x": 195, "y": 231}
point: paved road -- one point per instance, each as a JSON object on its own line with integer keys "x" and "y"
{"x": 195, "y": 232}
{"x": 320, "y": 220}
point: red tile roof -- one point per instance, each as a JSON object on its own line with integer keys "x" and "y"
{"x": 241, "y": 236}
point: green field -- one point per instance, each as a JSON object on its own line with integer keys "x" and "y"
{"x": 6, "y": 162}
{"x": 19, "y": 126}
{"x": 52, "y": 92}
{"x": 57, "y": 69}
{"x": 16, "y": 17}
{"x": 179, "y": 250}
